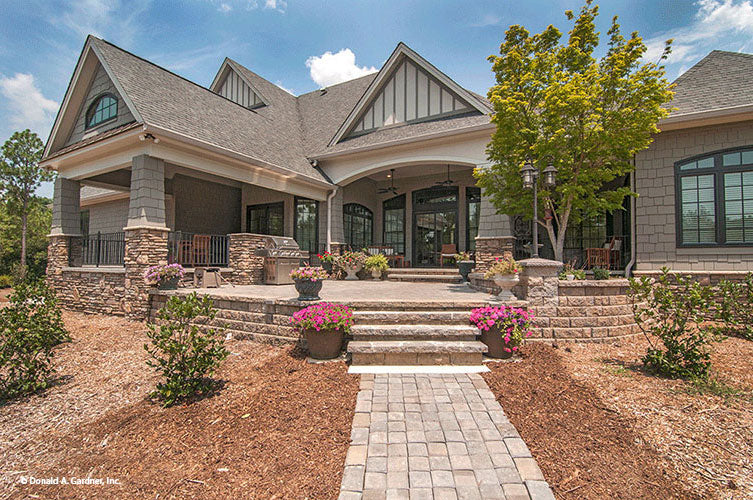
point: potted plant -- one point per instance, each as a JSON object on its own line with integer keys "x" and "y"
{"x": 377, "y": 264}
{"x": 502, "y": 328}
{"x": 164, "y": 276}
{"x": 570, "y": 273}
{"x": 351, "y": 263}
{"x": 308, "y": 281}
{"x": 600, "y": 273}
{"x": 323, "y": 325}
{"x": 465, "y": 264}
{"x": 504, "y": 272}
{"x": 327, "y": 259}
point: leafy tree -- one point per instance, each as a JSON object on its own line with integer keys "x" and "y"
{"x": 20, "y": 176}
{"x": 557, "y": 102}
{"x": 38, "y": 227}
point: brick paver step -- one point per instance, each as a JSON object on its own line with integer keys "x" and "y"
{"x": 442, "y": 317}
{"x": 433, "y": 278}
{"x": 361, "y": 346}
{"x": 416, "y": 352}
{"x": 413, "y": 332}
{"x": 451, "y": 271}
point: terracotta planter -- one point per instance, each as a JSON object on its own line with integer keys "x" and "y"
{"x": 308, "y": 290}
{"x": 350, "y": 273}
{"x": 506, "y": 282}
{"x": 324, "y": 344}
{"x": 495, "y": 343}
{"x": 168, "y": 283}
{"x": 465, "y": 267}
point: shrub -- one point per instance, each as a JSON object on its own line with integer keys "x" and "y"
{"x": 502, "y": 267}
{"x": 570, "y": 268}
{"x": 30, "y": 327}
{"x": 351, "y": 259}
{"x": 376, "y": 263}
{"x": 309, "y": 273}
{"x": 673, "y": 309}
{"x": 6, "y": 281}
{"x": 184, "y": 354}
{"x": 514, "y": 323}
{"x": 323, "y": 316}
{"x": 734, "y": 306}
{"x": 600, "y": 273}
{"x": 462, "y": 257}
{"x": 326, "y": 257}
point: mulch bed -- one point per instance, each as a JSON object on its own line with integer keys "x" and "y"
{"x": 279, "y": 427}
{"x": 601, "y": 427}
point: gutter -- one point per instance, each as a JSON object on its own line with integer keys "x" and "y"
{"x": 688, "y": 120}
{"x": 633, "y": 245}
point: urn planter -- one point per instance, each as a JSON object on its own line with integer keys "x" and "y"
{"x": 495, "y": 343}
{"x": 376, "y": 274}
{"x": 506, "y": 282}
{"x": 465, "y": 267}
{"x": 168, "y": 283}
{"x": 308, "y": 289}
{"x": 350, "y": 272}
{"x": 324, "y": 344}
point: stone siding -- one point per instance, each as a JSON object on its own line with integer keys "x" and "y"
{"x": 92, "y": 290}
{"x": 144, "y": 247}
{"x": 247, "y": 267}
{"x": 656, "y": 243}
{"x": 488, "y": 249}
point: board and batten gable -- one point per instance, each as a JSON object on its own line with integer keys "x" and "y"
{"x": 656, "y": 211}
{"x": 101, "y": 84}
{"x": 409, "y": 94}
{"x": 235, "y": 88}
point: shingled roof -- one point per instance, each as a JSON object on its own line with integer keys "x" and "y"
{"x": 718, "y": 81}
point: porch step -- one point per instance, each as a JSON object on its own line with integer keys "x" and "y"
{"x": 408, "y": 333}
{"x": 416, "y": 352}
{"x": 445, "y": 316}
{"x": 433, "y": 278}
{"x": 424, "y": 270}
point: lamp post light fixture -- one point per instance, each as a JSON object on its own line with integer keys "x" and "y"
{"x": 530, "y": 176}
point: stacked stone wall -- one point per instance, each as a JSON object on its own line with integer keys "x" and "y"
{"x": 247, "y": 267}
{"x": 144, "y": 247}
{"x": 488, "y": 249}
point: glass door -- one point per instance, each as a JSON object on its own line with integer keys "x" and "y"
{"x": 435, "y": 216}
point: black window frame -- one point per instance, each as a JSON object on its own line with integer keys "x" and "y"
{"x": 366, "y": 215}
{"x": 400, "y": 246}
{"x": 92, "y": 109}
{"x": 718, "y": 171}
{"x": 296, "y": 201}
{"x": 471, "y": 193}
{"x": 267, "y": 207}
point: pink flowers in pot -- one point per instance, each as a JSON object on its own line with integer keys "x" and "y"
{"x": 163, "y": 272}
{"x": 514, "y": 323}
{"x": 323, "y": 316}
{"x": 309, "y": 273}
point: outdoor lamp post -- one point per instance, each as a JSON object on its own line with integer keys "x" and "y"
{"x": 530, "y": 177}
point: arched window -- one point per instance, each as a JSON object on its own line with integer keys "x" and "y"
{"x": 104, "y": 108}
{"x": 359, "y": 223}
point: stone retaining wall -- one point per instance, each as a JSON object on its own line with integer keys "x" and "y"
{"x": 92, "y": 290}
{"x": 248, "y": 268}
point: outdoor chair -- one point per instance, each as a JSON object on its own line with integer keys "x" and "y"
{"x": 448, "y": 252}
{"x": 602, "y": 257}
{"x": 201, "y": 244}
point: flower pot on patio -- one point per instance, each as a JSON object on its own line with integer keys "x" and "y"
{"x": 495, "y": 343}
{"x": 324, "y": 344}
{"x": 502, "y": 328}
{"x": 170, "y": 283}
{"x": 350, "y": 273}
{"x": 376, "y": 274}
{"x": 506, "y": 282}
{"x": 465, "y": 267}
{"x": 308, "y": 289}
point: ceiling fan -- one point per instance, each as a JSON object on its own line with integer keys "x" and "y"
{"x": 392, "y": 189}
{"x": 448, "y": 181}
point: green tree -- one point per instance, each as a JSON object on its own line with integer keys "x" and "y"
{"x": 38, "y": 227}
{"x": 20, "y": 176}
{"x": 556, "y": 102}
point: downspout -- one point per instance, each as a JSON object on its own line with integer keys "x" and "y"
{"x": 329, "y": 217}
{"x": 633, "y": 246}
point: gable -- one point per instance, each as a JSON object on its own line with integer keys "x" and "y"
{"x": 100, "y": 84}
{"x": 408, "y": 95}
{"x": 235, "y": 88}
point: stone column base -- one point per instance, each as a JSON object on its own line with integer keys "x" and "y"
{"x": 144, "y": 247}
{"x": 248, "y": 268}
{"x": 540, "y": 281}
{"x": 490, "y": 248}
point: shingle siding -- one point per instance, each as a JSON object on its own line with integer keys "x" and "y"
{"x": 656, "y": 243}
{"x": 108, "y": 217}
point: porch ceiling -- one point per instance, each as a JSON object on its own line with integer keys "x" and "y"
{"x": 416, "y": 171}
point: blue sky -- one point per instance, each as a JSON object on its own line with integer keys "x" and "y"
{"x": 304, "y": 44}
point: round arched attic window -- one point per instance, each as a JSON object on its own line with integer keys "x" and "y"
{"x": 103, "y": 109}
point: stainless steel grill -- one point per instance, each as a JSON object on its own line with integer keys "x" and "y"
{"x": 281, "y": 255}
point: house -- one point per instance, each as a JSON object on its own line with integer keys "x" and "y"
{"x": 154, "y": 167}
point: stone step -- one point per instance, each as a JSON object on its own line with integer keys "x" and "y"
{"x": 416, "y": 352}
{"x": 423, "y": 270}
{"x": 436, "y": 317}
{"x": 445, "y": 333}
{"x": 462, "y": 306}
{"x": 432, "y": 278}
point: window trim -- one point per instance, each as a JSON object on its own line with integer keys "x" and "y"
{"x": 266, "y": 206}
{"x": 370, "y": 218}
{"x": 297, "y": 199}
{"x": 93, "y": 106}
{"x": 384, "y": 221}
{"x": 718, "y": 172}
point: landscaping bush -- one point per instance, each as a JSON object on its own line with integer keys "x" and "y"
{"x": 674, "y": 309}
{"x": 6, "y": 281}
{"x": 734, "y": 307}
{"x": 184, "y": 354}
{"x": 600, "y": 273}
{"x": 30, "y": 327}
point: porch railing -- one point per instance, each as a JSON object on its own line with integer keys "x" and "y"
{"x": 198, "y": 250}
{"x": 103, "y": 249}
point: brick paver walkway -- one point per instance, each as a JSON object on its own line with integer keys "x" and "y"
{"x": 424, "y": 436}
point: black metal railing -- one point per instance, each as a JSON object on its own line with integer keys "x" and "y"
{"x": 103, "y": 249}
{"x": 198, "y": 250}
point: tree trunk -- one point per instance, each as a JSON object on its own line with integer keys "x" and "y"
{"x": 24, "y": 220}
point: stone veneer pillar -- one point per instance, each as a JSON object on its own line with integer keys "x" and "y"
{"x": 64, "y": 246}
{"x": 495, "y": 239}
{"x": 539, "y": 281}
{"x": 248, "y": 268}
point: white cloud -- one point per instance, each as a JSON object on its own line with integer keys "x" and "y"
{"x": 279, "y": 5}
{"x": 279, "y": 84}
{"x": 188, "y": 59}
{"x": 487, "y": 20}
{"x": 115, "y": 20}
{"x": 329, "y": 69}
{"x": 26, "y": 106}
{"x": 224, "y": 8}
{"x": 718, "y": 24}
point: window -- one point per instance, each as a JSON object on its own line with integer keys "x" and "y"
{"x": 715, "y": 199}
{"x": 306, "y": 229}
{"x": 359, "y": 225}
{"x": 85, "y": 223}
{"x": 103, "y": 109}
{"x": 473, "y": 211}
{"x": 266, "y": 219}
{"x": 394, "y": 223}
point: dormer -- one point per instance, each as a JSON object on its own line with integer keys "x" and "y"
{"x": 230, "y": 84}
